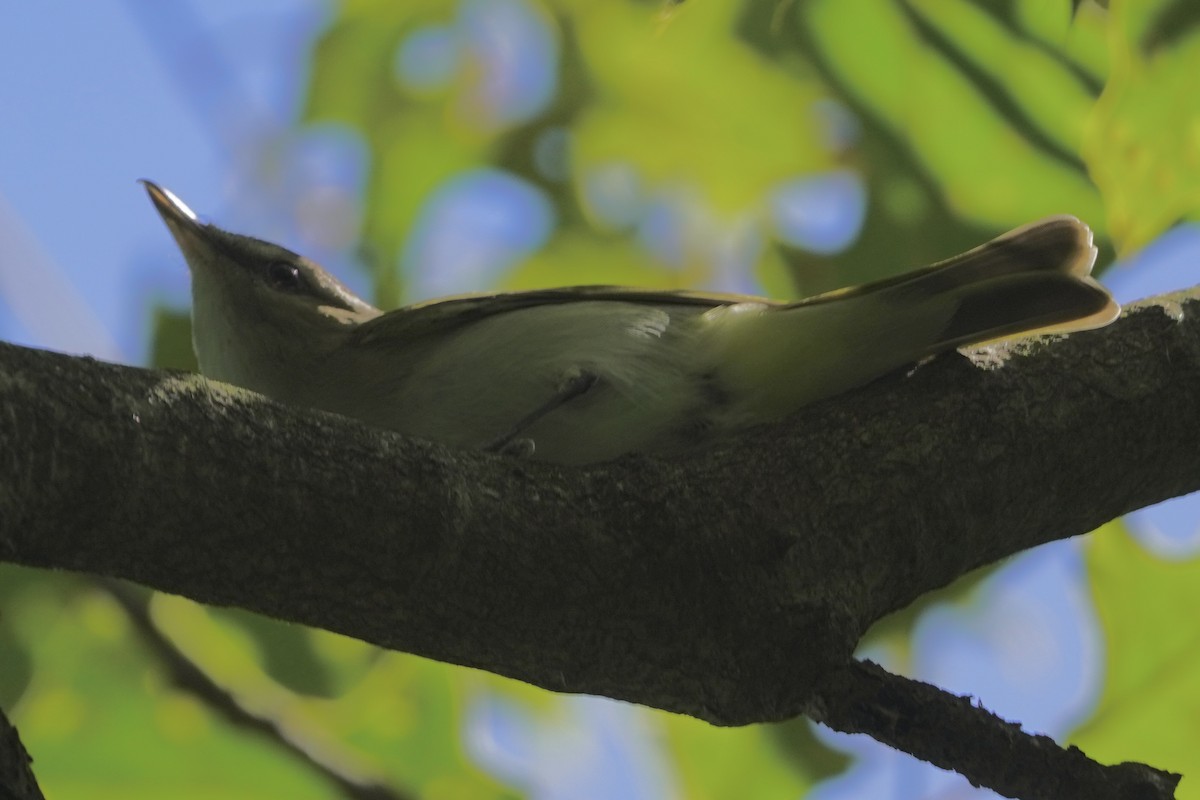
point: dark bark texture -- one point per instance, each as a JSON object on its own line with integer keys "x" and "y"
{"x": 729, "y": 584}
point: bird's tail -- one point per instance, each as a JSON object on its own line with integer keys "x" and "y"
{"x": 1032, "y": 280}
{"x": 1035, "y": 279}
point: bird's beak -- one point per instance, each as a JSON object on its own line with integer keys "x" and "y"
{"x": 181, "y": 221}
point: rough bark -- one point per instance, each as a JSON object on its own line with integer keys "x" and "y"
{"x": 957, "y": 733}
{"x": 728, "y": 584}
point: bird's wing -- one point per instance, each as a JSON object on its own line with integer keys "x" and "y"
{"x": 1059, "y": 244}
{"x": 438, "y": 317}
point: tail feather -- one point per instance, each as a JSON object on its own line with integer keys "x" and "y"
{"x": 1032, "y": 280}
{"x": 1055, "y": 244}
{"x": 1024, "y": 305}
{"x": 1035, "y": 279}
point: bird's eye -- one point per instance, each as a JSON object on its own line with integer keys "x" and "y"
{"x": 283, "y": 275}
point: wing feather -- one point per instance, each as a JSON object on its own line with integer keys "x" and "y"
{"x": 438, "y": 317}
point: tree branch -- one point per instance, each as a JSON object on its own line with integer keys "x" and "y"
{"x": 726, "y": 584}
{"x": 17, "y": 781}
{"x": 955, "y": 733}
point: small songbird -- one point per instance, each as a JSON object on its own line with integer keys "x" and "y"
{"x": 588, "y": 373}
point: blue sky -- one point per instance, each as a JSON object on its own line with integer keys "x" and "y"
{"x": 101, "y": 96}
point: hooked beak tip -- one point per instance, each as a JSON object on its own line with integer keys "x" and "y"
{"x": 169, "y": 206}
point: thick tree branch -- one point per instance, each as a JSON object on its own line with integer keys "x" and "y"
{"x": 726, "y": 584}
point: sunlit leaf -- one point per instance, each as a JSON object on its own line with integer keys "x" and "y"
{"x": 1143, "y": 139}
{"x": 687, "y": 103}
{"x": 1045, "y": 100}
{"x": 990, "y": 158}
{"x": 171, "y": 340}
{"x": 744, "y": 762}
{"x": 1150, "y": 706}
{"x": 104, "y": 723}
{"x": 400, "y": 718}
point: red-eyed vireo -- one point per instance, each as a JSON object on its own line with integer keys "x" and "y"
{"x": 585, "y": 374}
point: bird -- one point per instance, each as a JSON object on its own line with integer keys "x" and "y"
{"x": 586, "y": 374}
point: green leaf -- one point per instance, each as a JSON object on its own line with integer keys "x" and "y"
{"x": 399, "y": 716}
{"x": 1151, "y": 699}
{"x": 102, "y": 722}
{"x": 415, "y": 140}
{"x": 103, "y": 719}
{"x": 690, "y": 104}
{"x": 1049, "y": 98}
{"x": 171, "y": 340}
{"x": 745, "y": 762}
{"x": 996, "y": 138}
{"x": 1143, "y": 137}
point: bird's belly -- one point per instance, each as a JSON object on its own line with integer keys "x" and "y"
{"x": 603, "y": 422}
{"x": 510, "y": 378}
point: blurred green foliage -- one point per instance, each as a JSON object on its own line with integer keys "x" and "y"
{"x": 969, "y": 117}
{"x": 1150, "y": 704}
{"x": 1143, "y": 136}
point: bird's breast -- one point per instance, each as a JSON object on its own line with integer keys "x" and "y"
{"x": 476, "y": 384}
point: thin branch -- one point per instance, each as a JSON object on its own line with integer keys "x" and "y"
{"x": 955, "y": 733}
{"x": 727, "y": 584}
{"x": 188, "y": 676}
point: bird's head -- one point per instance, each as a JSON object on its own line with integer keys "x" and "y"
{"x": 259, "y": 311}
